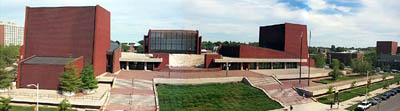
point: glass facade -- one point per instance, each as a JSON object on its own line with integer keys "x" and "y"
{"x": 173, "y": 42}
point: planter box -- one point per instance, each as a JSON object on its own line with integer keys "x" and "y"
{"x": 64, "y": 93}
{"x": 89, "y": 91}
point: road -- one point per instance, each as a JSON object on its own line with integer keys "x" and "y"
{"x": 392, "y": 104}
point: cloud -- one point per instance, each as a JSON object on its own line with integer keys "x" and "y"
{"x": 358, "y": 23}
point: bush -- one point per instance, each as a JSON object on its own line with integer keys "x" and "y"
{"x": 89, "y": 82}
{"x": 320, "y": 61}
{"x": 335, "y": 64}
{"x": 330, "y": 89}
{"x": 6, "y": 78}
{"x": 360, "y": 66}
{"x": 342, "y": 66}
{"x": 70, "y": 81}
{"x": 64, "y": 106}
{"x": 353, "y": 84}
{"x": 5, "y": 103}
{"x": 335, "y": 74}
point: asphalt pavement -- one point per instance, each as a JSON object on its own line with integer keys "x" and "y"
{"x": 392, "y": 104}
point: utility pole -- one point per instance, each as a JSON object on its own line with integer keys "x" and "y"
{"x": 309, "y": 61}
{"x": 301, "y": 53}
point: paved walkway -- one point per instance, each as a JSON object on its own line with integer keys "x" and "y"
{"x": 315, "y": 106}
{"x": 133, "y": 90}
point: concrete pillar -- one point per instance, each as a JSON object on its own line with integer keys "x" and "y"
{"x": 257, "y": 66}
{"x": 227, "y": 66}
{"x": 127, "y": 65}
{"x": 272, "y": 66}
{"x": 285, "y": 65}
{"x": 145, "y": 66}
{"x": 241, "y": 66}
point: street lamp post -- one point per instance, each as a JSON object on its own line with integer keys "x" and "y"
{"x": 301, "y": 53}
{"x": 227, "y": 68}
{"x": 37, "y": 94}
{"x": 169, "y": 71}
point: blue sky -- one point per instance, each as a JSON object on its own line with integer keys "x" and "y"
{"x": 349, "y": 23}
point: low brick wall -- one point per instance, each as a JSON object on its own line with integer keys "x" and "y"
{"x": 322, "y": 89}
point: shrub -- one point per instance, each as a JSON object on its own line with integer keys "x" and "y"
{"x": 88, "y": 79}
{"x": 330, "y": 89}
{"x": 5, "y": 103}
{"x": 342, "y": 66}
{"x": 64, "y": 106}
{"x": 70, "y": 81}
{"x": 5, "y": 78}
{"x": 353, "y": 84}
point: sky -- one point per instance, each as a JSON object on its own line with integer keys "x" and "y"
{"x": 345, "y": 23}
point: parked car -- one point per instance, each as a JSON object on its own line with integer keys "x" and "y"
{"x": 364, "y": 105}
{"x": 398, "y": 90}
{"x": 359, "y": 109}
{"x": 385, "y": 96}
{"x": 377, "y": 99}
{"x": 391, "y": 93}
{"x": 374, "y": 102}
{"x": 394, "y": 91}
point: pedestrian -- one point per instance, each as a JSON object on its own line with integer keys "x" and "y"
{"x": 291, "y": 107}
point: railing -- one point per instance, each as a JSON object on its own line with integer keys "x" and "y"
{"x": 54, "y": 96}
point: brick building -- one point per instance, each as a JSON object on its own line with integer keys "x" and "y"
{"x": 55, "y": 36}
{"x": 386, "y": 47}
{"x": 280, "y": 48}
{"x": 172, "y": 41}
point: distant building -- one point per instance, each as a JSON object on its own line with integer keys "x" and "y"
{"x": 172, "y": 41}
{"x": 75, "y": 35}
{"x": 386, "y": 47}
{"x": 11, "y": 34}
{"x": 281, "y": 47}
{"x": 345, "y": 57}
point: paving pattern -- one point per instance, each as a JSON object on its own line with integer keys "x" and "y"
{"x": 133, "y": 90}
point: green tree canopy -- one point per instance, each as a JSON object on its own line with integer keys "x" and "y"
{"x": 70, "y": 81}
{"x": 64, "y": 106}
{"x": 5, "y": 103}
{"x": 360, "y": 66}
{"x": 87, "y": 77}
{"x": 320, "y": 61}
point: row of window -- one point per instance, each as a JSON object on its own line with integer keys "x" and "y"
{"x": 13, "y": 35}
{"x": 173, "y": 41}
{"x": 277, "y": 65}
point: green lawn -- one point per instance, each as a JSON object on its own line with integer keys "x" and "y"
{"x": 349, "y": 94}
{"x": 327, "y": 81}
{"x": 214, "y": 97}
{"x": 21, "y": 108}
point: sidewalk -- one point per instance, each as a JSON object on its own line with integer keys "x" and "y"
{"x": 358, "y": 99}
{"x": 316, "y": 106}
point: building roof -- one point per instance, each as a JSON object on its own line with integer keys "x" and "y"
{"x": 113, "y": 46}
{"x": 50, "y": 60}
{"x": 138, "y": 57}
{"x": 258, "y": 60}
{"x": 186, "y": 31}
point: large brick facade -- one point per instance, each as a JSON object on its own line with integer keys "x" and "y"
{"x": 65, "y": 32}
{"x": 386, "y": 47}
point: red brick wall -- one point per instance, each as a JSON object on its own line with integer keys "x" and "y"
{"x": 48, "y": 76}
{"x": 386, "y": 47}
{"x": 165, "y": 60}
{"x": 209, "y": 58}
{"x": 101, "y": 40}
{"x": 60, "y": 31}
{"x": 258, "y": 52}
{"x": 292, "y": 39}
{"x": 116, "y": 63}
{"x": 1, "y": 35}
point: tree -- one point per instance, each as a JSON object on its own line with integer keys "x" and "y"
{"x": 70, "y": 81}
{"x": 6, "y": 77}
{"x": 335, "y": 64}
{"x": 5, "y": 103}
{"x": 64, "y": 106}
{"x": 320, "y": 61}
{"x": 342, "y": 66}
{"x": 385, "y": 85}
{"x": 89, "y": 82}
{"x": 335, "y": 74}
{"x": 353, "y": 84}
{"x": 125, "y": 47}
{"x": 333, "y": 48}
{"x": 360, "y": 66}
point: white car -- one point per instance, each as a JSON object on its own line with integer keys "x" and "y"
{"x": 364, "y": 105}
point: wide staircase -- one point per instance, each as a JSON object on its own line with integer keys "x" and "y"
{"x": 288, "y": 96}
{"x": 259, "y": 81}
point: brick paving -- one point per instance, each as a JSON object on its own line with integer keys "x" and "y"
{"x": 139, "y": 95}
